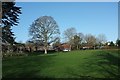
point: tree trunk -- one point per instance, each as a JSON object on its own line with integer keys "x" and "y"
{"x": 46, "y": 44}
{"x": 70, "y": 47}
{"x": 77, "y": 47}
{"x": 45, "y": 50}
{"x": 36, "y": 48}
{"x": 94, "y": 47}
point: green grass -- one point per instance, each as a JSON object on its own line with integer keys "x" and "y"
{"x": 74, "y": 64}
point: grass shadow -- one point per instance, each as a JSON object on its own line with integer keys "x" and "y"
{"x": 113, "y": 62}
{"x": 26, "y": 67}
{"x": 105, "y": 63}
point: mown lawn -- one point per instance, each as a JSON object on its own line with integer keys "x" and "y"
{"x": 74, "y": 64}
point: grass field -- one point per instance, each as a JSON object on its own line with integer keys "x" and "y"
{"x": 74, "y": 64}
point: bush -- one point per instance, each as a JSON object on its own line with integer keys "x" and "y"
{"x": 14, "y": 54}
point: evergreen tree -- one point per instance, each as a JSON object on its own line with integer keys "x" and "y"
{"x": 10, "y": 17}
{"x": 7, "y": 35}
{"x": 111, "y": 43}
{"x": 10, "y": 13}
{"x": 118, "y": 42}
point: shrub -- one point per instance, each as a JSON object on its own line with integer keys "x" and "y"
{"x": 14, "y": 54}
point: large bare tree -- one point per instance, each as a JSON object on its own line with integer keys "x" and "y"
{"x": 44, "y": 29}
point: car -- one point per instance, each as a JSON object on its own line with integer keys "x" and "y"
{"x": 84, "y": 48}
{"x": 66, "y": 50}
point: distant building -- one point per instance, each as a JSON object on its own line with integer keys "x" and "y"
{"x": 63, "y": 47}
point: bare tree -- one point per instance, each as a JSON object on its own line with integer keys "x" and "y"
{"x": 69, "y": 33}
{"x": 76, "y": 41}
{"x": 81, "y": 35}
{"x": 101, "y": 39}
{"x": 44, "y": 29}
{"x": 90, "y": 40}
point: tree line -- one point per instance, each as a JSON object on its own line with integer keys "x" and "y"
{"x": 45, "y": 30}
{"x": 79, "y": 40}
